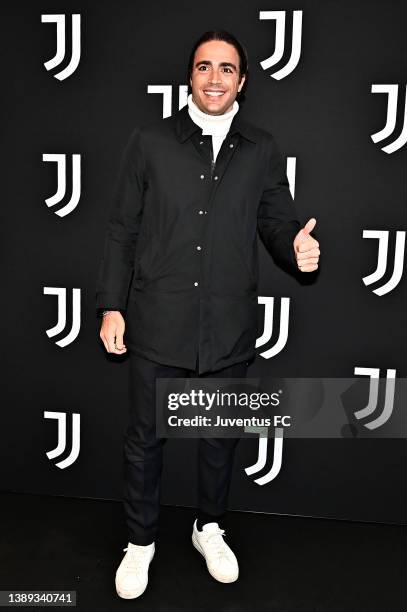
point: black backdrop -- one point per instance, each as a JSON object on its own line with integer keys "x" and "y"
{"x": 323, "y": 114}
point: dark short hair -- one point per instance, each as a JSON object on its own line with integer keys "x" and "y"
{"x": 232, "y": 40}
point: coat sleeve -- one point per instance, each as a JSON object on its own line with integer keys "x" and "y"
{"x": 117, "y": 264}
{"x": 277, "y": 220}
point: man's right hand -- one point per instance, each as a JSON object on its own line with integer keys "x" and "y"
{"x": 112, "y": 332}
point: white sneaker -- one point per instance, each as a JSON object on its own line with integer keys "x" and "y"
{"x": 220, "y": 559}
{"x": 132, "y": 574}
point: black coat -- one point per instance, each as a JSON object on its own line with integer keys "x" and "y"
{"x": 180, "y": 253}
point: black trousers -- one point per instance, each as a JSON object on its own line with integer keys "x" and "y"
{"x": 143, "y": 452}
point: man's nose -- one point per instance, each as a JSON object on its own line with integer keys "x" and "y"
{"x": 215, "y": 77}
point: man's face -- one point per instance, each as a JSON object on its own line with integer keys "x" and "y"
{"x": 215, "y": 77}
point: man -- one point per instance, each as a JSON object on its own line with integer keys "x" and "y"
{"x": 180, "y": 263}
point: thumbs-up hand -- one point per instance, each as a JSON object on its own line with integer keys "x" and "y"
{"x": 306, "y": 248}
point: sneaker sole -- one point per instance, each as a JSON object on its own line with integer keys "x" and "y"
{"x": 125, "y": 594}
{"x": 224, "y": 579}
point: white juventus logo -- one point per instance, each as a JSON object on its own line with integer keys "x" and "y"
{"x": 383, "y": 237}
{"x": 392, "y": 97}
{"x": 262, "y": 455}
{"x": 290, "y": 169}
{"x": 60, "y": 159}
{"x": 374, "y": 374}
{"x": 279, "y": 17}
{"x": 61, "y": 445}
{"x": 61, "y": 321}
{"x": 60, "y": 52}
{"x": 166, "y": 92}
{"x": 269, "y": 323}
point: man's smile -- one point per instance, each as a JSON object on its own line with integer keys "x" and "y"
{"x": 213, "y": 93}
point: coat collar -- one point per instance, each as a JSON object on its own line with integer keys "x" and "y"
{"x": 185, "y": 127}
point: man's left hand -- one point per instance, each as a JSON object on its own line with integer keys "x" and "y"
{"x": 306, "y": 248}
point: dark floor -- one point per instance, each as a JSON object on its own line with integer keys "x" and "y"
{"x": 286, "y": 563}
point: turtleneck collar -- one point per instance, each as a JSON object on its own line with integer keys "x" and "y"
{"x": 216, "y": 125}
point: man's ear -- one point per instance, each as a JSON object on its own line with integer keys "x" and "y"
{"x": 242, "y": 82}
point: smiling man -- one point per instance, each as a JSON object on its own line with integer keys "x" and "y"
{"x": 216, "y": 82}
{"x": 178, "y": 281}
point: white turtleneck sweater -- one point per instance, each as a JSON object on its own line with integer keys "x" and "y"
{"x": 216, "y": 125}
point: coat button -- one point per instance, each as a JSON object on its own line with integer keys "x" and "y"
{"x": 216, "y": 178}
{"x": 231, "y": 146}
{"x": 202, "y": 176}
{"x": 201, "y": 212}
{"x": 201, "y": 142}
{"x": 198, "y": 248}
{"x": 196, "y": 284}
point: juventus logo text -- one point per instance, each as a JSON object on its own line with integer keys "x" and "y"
{"x": 279, "y": 17}
{"x": 60, "y": 159}
{"x": 269, "y": 323}
{"x": 262, "y": 454}
{"x": 166, "y": 92}
{"x": 383, "y": 237}
{"x": 60, "y": 325}
{"x": 392, "y": 92}
{"x": 368, "y": 410}
{"x": 60, "y": 52}
{"x": 61, "y": 444}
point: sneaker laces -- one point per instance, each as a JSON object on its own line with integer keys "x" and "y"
{"x": 135, "y": 557}
{"x": 217, "y": 544}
